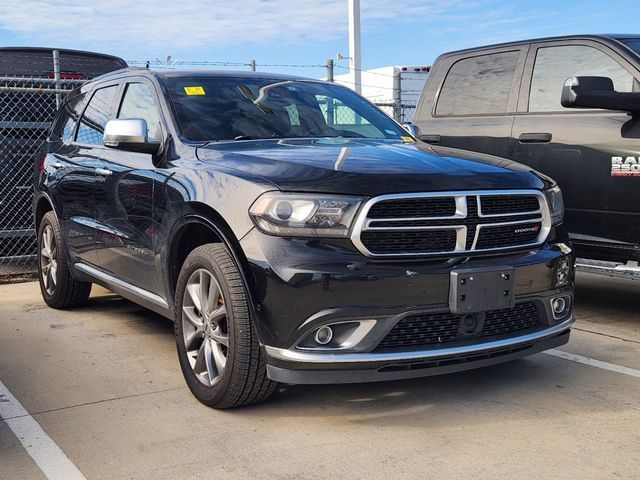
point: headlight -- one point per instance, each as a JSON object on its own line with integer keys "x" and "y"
{"x": 556, "y": 205}
{"x": 305, "y": 215}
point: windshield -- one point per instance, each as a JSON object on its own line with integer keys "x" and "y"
{"x": 632, "y": 43}
{"x": 212, "y": 109}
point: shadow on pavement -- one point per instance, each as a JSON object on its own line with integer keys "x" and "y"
{"x": 523, "y": 387}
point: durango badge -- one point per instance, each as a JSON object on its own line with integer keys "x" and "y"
{"x": 534, "y": 228}
{"x": 625, "y": 166}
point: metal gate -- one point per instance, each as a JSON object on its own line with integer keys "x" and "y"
{"x": 27, "y": 108}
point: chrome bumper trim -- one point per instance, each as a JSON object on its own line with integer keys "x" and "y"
{"x": 308, "y": 357}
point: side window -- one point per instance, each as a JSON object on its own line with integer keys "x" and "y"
{"x": 478, "y": 85}
{"x": 96, "y": 115}
{"x": 139, "y": 102}
{"x": 555, "y": 64}
{"x": 68, "y": 118}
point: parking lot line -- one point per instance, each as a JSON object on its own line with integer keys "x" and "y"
{"x": 594, "y": 363}
{"x": 43, "y": 450}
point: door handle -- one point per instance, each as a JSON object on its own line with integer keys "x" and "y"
{"x": 535, "y": 138}
{"x": 430, "y": 138}
{"x": 56, "y": 165}
{"x": 104, "y": 172}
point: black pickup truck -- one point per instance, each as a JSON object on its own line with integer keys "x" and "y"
{"x": 568, "y": 107}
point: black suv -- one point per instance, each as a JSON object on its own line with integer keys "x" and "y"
{"x": 568, "y": 107}
{"x": 295, "y": 233}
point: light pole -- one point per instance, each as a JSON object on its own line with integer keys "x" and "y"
{"x": 354, "y": 45}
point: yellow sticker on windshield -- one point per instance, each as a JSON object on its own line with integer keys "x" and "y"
{"x": 408, "y": 139}
{"x": 197, "y": 90}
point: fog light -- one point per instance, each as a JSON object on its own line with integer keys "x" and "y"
{"x": 558, "y": 304}
{"x": 561, "y": 306}
{"x": 324, "y": 335}
{"x": 336, "y": 336}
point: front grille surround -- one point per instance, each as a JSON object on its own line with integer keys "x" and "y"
{"x": 468, "y": 222}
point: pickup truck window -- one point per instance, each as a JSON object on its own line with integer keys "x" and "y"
{"x": 478, "y": 85}
{"x": 555, "y": 64}
{"x": 96, "y": 115}
{"x": 211, "y": 109}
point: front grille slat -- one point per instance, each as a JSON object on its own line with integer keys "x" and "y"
{"x": 414, "y": 208}
{"x": 385, "y": 242}
{"x": 508, "y": 235}
{"x": 435, "y": 329}
{"x": 435, "y": 225}
{"x": 501, "y": 204}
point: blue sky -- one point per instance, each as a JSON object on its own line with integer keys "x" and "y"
{"x": 300, "y": 32}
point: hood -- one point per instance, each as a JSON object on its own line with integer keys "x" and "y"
{"x": 367, "y": 167}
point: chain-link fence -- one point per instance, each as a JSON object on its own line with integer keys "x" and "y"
{"x": 27, "y": 107}
{"x": 407, "y": 111}
{"x": 402, "y": 113}
{"x": 29, "y": 104}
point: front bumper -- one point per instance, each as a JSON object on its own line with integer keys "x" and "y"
{"x": 299, "y": 285}
{"x": 373, "y": 367}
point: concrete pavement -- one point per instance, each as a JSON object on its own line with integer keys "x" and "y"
{"x": 104, "y": 384}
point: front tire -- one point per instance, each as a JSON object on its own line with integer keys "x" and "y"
{"x": 216, "y": 340}
{"x": 58, "y": 287}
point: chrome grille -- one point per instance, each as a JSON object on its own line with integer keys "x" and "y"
{"x": 420, "y": 224}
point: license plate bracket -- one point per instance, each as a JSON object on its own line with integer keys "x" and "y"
{"x": 480, "y": 290}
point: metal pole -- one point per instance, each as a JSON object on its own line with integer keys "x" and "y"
{"x": 330, "y": 70}
{"x": 253, "y": 65}
{"x": 397, "y": 95}
{"x": 56, "y": 76}
{"x": 354, "y": 45}
{"x": 330, "y": 103}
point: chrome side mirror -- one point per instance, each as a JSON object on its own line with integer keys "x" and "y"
{"x": 129, "y": 134}
{"x": 412, "y": 129}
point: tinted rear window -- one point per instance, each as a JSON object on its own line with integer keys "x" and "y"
{"x": 478, "y": 85}
{"x": 67, "y": 118}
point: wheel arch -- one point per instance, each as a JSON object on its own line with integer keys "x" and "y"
{"x": 200, "y": 225}
{"x": 41, "y": 205}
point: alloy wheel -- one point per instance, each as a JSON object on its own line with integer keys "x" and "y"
{"x": 48, "y": 260}
{"x": 205, "y": 327}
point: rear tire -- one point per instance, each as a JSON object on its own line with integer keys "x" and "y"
{"x": 217, "y": 344}
{"x": 58, "y": 287}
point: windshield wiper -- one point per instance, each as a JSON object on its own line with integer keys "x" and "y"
{"x": 253, "y": 137}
